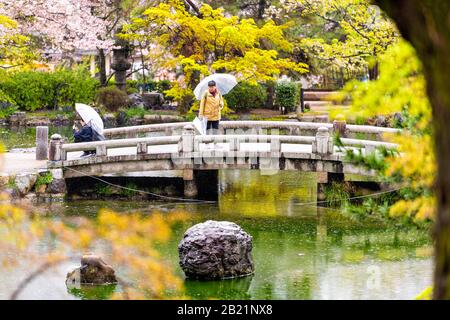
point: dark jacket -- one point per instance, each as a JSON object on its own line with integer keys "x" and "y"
{"x": 84, "y": 135}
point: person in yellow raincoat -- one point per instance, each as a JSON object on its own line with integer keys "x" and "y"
{"x": 211, "y": 105}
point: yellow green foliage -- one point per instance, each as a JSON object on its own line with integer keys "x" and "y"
{"x": 213, "y": 41}
{"x": 14, "y": 49}
{"x": 401, "y": 88}
{"x": 426, "y": 294}
{"x": 130, "y": 238}
{"x": 361, "y": 32}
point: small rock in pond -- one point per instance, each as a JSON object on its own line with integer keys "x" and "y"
{"x": 93, "y": 270}
{"x": 216, "y": 250}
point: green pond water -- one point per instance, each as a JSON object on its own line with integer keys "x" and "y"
{"x": 300, "y": 251}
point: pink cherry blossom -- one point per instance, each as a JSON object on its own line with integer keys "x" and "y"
{"x": 63, "y": 25}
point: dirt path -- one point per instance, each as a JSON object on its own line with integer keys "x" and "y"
{"x": 12, "y": 162}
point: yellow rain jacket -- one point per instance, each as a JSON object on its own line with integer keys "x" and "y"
{"x": 210, "y": 106}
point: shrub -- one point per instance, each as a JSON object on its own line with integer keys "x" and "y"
{"x": 112, "y": 98}
{"x": 134, "y": 86}
{"x": 246, "y": 96}
{"x": 159, "y": 86}
{"x": 43, "y": 179}
{"x": 135, "y": 112}
{"x": 183, "y": 96}
{"x": 163, "y": 85}
{"x": 7, "y": 109}
{"x": 7, "y": 106}
{"x": 32, "y": 90}
{"x": 287, "y": 95}
{"x": 73, "y": 86}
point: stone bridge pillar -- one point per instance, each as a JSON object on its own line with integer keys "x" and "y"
{"x": 190, "y": 184}
{"x": 201, "y": 184}
{"x": 325, "y": 180}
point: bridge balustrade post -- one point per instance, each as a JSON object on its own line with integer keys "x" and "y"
{"x": 260, "y": 131}
{"x": 41, "y": 143}
{"x": 275, "y": 145}
{"x": 323, "y": 144}
{"x": 101, "y": 151}
{"x": 142, "y": 148}
{"x": 56, "y": 153}
{"x": 294, "y": 131}
{"x": 340, "y": 125}
{"x": 187, "y": 139}
{"x": 369, "y": 149}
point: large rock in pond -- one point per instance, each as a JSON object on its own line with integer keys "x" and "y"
{"x": 216, "y": 250}
{"x": 93, "y": 270}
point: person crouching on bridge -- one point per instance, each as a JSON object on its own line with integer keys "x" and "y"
{"x": 85, "y": 134}
{"x": 211, "y": 106}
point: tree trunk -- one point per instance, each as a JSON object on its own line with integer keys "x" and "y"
{"x": 261, "y": 9}
{"x": 102, "y": 66}
{"x": 144, "y": 80}
{"x": 373, "y": 72}
{"x": 195, "y": 79}
{"x": 426, "y": 25}
{"x": 270, "y": 95}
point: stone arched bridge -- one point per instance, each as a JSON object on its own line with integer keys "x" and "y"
{"x": 263, "y": 145}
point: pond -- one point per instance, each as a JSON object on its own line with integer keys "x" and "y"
{"x": 300, "y": 251}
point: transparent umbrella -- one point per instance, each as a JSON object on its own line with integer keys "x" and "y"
{"x": 224, "y": 82}
{"x": 90, "y": 117}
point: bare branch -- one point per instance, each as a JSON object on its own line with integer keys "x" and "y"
{"x": 194, "y": 7}
{"x": 25, "y": 282}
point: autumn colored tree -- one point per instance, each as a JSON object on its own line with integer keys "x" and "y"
{"x": 400, "y": 89}
{"x": 255, "y": 9}
{"x": 426, "y": 25}
{"x": 14, "y": 46}
{"x": 131, "y": 240}
{"x": 340, "y": 36}
{"x": 210, "y": 40}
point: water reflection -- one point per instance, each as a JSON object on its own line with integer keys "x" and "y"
{"x": 92, "y": 292}
{"x": 300, "y": 252}
{"x": 249, "y": 193}
{"x": 236, "y": 289}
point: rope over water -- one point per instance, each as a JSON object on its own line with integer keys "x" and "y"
{"x": 210, "y": 201}
{"x": 142, "y": 191}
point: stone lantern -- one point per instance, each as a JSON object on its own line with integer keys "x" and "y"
{"x": 120, "y": 65}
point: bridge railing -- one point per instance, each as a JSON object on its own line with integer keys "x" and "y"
{"x": 253, "y": 127}
{"x": 188, "y": 141}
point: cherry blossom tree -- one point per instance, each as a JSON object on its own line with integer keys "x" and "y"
{"x": 63, "y": 25}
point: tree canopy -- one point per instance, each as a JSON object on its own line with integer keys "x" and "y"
{"x": 214, "y": 41}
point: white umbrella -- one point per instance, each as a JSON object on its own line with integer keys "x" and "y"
{"x": 224, "y": 82}
{"x": 90, "y": 117}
